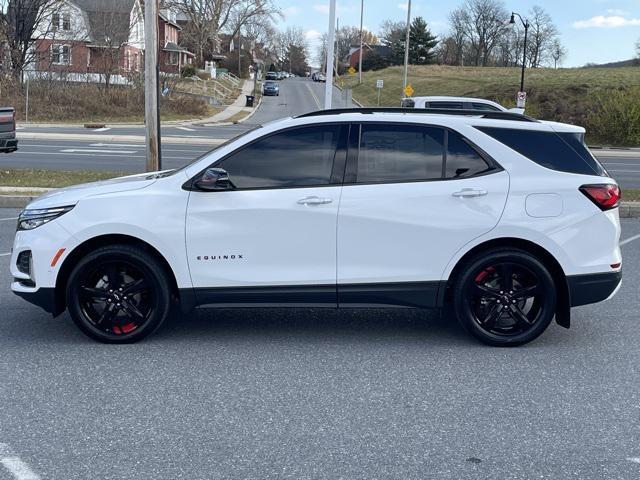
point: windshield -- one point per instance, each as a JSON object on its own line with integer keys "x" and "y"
{"x": 168, "y": 173}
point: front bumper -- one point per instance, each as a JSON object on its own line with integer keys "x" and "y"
{"x": 44, "y": 298}
{"x": 8, "y": 145}
{"x": 593, "y": 288}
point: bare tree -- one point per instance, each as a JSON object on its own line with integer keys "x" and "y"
{"x": 20, "y": 20}
{"x": 542, "y": 35}
{"x": 483, "y": 23}
{"x": 457, "y": 35}
{"x": 557, "y": 52}
{"x": 207, "y": 19}
{"x": 638, "y": 48}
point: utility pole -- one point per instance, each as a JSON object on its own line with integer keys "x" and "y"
{"x": 328, "y": 86}
{"x": 337, "y": 52}
{"x": 360, "y": 55}
{"x": 406, "y": 48}
{"x": 151, "y": 114}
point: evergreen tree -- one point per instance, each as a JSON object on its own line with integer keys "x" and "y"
{"x": 422, "y": 43}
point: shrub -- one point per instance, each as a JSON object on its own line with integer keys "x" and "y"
{"x": 615, "y": 118}
{"x": 188, "y": 71}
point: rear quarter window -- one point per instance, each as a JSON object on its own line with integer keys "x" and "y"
{"x": 561, "y": 152}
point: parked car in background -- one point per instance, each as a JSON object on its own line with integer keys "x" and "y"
{"x": 271, "y": 76}
{"x": 506, "y": 221}
{"x": 8, "y": 140}
{"x": 456, "y": 103}
{"x": 322, "y": 78}
{"x": 270, "y": 88}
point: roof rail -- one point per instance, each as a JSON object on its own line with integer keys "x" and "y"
{"x": 433, "y": 111}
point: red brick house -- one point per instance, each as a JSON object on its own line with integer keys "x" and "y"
{"x": 102, "y": 41}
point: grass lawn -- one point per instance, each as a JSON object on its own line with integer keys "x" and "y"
{"x": 569, "y": 95}
{"x": 51, "y": 178}
{"x": 631, "y": 195}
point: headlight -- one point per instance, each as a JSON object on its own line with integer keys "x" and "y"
{"x": 34, "y": 218}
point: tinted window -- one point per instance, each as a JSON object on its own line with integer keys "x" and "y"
{"x": 485, "y": 107}
{"x": 576, "y": 142}
{"x": 299, "y": 157}
{"x": 395, "y": 153}
{"x": 447, "y": 105}
{"x": 462, "y": 160}
{"x": 547, "y": 149}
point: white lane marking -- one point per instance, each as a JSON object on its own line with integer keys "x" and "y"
{"x": 629, "y": 240}
{"x": 7, "y": 219}
{"x": 105, "y": 129}
{"x": 82, "y": 150}
{"x": 165, "y": 148}
{"x": 15, "y": 465}
{"x": 95, "y": 155}
{"x": 114, "y": 145}
{"x": 634, "y": 459}
{"x": 315, "y": 98}
{"x": 186, "y": 129}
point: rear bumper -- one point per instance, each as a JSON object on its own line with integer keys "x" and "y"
{"x": 593, "y": 288}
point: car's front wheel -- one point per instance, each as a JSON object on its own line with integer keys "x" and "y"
{"x": 505, "y": 297}
{"x": 118, "y": 294}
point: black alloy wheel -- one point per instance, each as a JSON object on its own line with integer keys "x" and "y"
{"x": 505, "y": 297}
{"x": 118, "y": 294}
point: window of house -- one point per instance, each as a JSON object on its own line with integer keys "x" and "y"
{"x": 173, "y": 58}
{"x": 61, "y": 21}
{"x": 61, "y": 54}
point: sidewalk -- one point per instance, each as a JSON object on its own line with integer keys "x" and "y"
{"x": 236, "y": 107}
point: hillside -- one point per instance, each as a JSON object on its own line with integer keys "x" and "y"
{"x": 604, "y": 100}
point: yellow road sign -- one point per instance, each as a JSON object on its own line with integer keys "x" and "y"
{"x": 408, "y": 90}
{"x": 352, "y": 71}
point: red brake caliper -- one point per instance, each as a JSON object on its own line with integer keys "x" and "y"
{"x": 484, "y": 274}
{"x": 129, "y": 327}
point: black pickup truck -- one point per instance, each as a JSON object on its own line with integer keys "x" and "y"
{"x": 8, "y": 140}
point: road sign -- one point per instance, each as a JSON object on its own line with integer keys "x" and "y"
{"x": 521, "y": 99}
{"x": 352, "y": 71}
{"x": 379, "y": 83}
{"x": 408, "y": 90}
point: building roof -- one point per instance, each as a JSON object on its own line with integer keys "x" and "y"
{"x": 109, "y": 20}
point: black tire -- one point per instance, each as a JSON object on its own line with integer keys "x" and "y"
{"x": 504, "y": 297}
{"x": 118, "y": 294}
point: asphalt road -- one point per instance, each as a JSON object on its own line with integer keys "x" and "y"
{"x": 320, "y": 394}
{"x": 297, "y": 96}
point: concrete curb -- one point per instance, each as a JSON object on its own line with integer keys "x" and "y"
{"x": 118, "y": 138}
{"x": 627, "y": 209}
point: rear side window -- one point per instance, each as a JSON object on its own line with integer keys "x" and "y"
{"x": 549, "y": 149}
{"x": 397, "y": 153}
{"x": 446, "y": 105}
{"x": 485, "y": 107}
{"x": 462, "y": 160}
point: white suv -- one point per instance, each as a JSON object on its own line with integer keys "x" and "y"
{"x": 509, "y": 220}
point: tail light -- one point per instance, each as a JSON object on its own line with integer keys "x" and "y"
{"x": 605, "y": 196}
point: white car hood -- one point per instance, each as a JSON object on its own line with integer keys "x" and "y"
{"x": 72, "y": 195}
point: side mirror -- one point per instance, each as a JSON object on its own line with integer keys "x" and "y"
{"x": 213, "y": 179}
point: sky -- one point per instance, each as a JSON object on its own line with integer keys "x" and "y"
{"x": 598, "y": 31}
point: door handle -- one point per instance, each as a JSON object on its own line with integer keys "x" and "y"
{"x": 314, "y": 201}
{"x": 469, "y": 193}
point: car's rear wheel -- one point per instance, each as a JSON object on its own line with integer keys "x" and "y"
{"x": 118, "y": 294}
{"x": 505, "y": 297}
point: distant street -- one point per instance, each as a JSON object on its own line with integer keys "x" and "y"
{"x": 297, "y": 96}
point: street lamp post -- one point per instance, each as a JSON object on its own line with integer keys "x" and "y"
{"x": 406, "y": 48}
{"x": 525, "y": 24}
